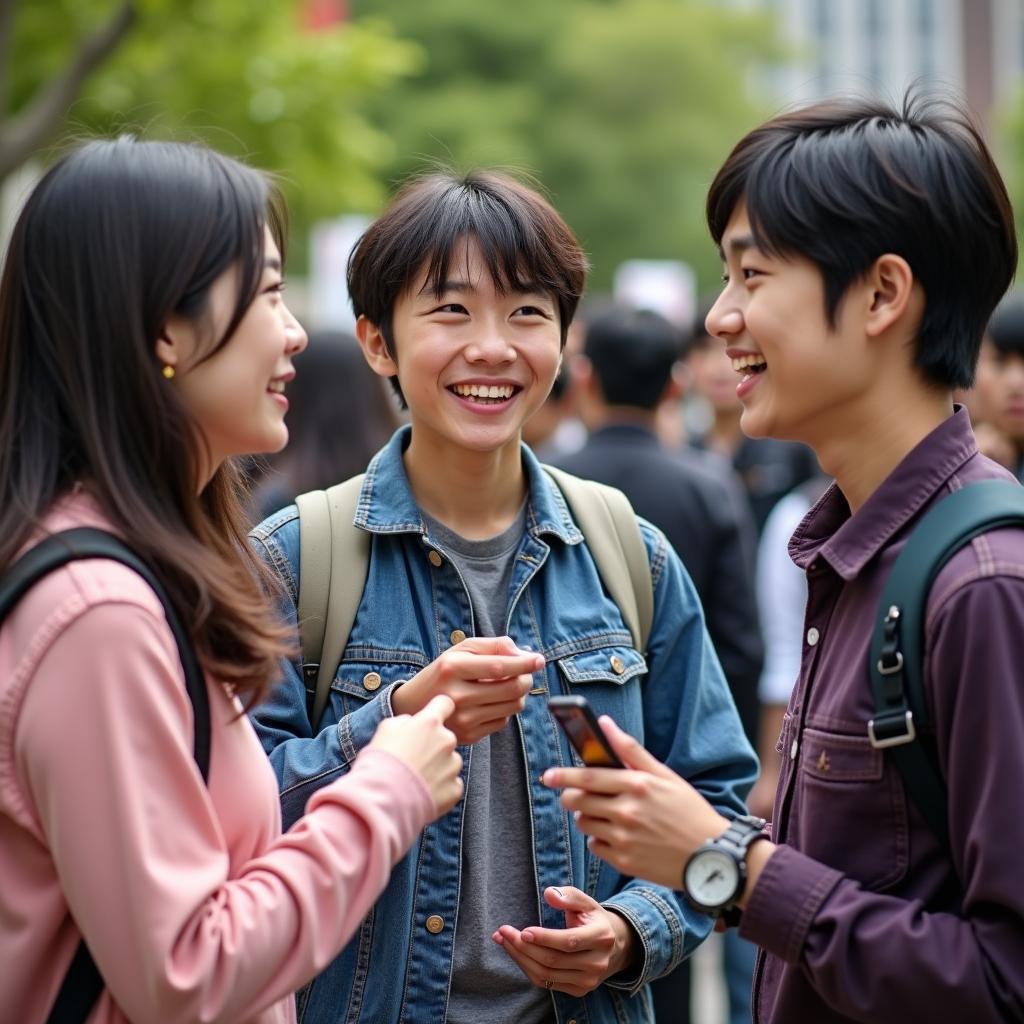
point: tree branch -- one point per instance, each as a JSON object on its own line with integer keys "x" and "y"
{"x": 20, "y": 136}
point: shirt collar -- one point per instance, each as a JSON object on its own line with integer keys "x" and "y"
{"x": 848, "y": 542}
{"x": 386, "y": 502}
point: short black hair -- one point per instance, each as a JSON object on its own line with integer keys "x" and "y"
{"x": 1006, "y": 328}
{"x": 845, "y": 181}
{"x": 524, "y": 241}
{"x": 632, "y": 353}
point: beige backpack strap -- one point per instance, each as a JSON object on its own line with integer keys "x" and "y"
{"x": 334, "y": 555}
{"x": 609, "y": 526}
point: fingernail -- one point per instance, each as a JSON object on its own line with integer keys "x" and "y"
{"x": 544, "y": 779}
{"x": 527, "y": 936}
{"x": 561, "y": 895}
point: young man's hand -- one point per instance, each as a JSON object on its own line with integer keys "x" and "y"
{"x": 644, "y": 820}
{"x": 487, "y": 679}
{"x": 594, "y": 944}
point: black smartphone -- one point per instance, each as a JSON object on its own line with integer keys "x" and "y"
{"x": 575, "y": 716}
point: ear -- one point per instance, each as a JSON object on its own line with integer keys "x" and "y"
{"x": 176, "y": 342}
{"x": 375, "y": 349}
{"x": 583, "y": 378}
{"x": 892, "y": 292}
{"x": 677, "y": 382}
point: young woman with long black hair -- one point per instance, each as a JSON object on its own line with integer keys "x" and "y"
{"x": 144, "y": 342}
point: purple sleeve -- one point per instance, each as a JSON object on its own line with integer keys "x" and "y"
{"x": 881, "y": 958}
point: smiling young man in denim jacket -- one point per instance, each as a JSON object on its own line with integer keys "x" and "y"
{"x": 464, "y": 290}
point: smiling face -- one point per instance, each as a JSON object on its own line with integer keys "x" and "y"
{"x": 474, "y": 364}
{"x": 799, "y": 378}
{"x": 236, "y": 396}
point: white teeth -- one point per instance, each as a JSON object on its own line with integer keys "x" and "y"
{"x": 277, "y": 386}
{"x": 494, "y": 391}
{"x": 741, "y": 363}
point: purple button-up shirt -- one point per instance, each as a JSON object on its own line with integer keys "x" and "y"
{"x": 860, "y": 913}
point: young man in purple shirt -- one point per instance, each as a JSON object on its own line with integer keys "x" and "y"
{"x": 864, "y": 250}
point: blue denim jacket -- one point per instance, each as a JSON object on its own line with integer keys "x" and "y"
{"x": 673, "y": 696}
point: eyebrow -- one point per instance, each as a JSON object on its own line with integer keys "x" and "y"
{"x": 459, "y": 286}
{"x": 739, "y": 245}
{"x": 272, "y": 263}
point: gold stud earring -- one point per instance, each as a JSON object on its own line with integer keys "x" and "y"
{"x": 168, "y": 371}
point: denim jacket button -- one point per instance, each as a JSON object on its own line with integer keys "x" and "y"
{"x": 618, "y": 665}
{"x": 371, "y": 680}
{"x": 457, "y": 636}
{"x": 435, "y": 559}
{"x": 435, "y": 924}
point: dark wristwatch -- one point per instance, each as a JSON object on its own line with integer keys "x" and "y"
{"x": 716, "y": 873}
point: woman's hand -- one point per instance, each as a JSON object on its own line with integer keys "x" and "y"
{"x": 644, "y": 819}
{"x": 426, "y": 746}
{"x": 594, "y": 944}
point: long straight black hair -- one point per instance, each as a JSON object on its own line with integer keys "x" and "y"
{"x": 117, "y": 237}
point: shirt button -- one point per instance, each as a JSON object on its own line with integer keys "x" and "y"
{"x": 618, "y": 665}
{"x": 813, "y": 636}
{"x": 793, "y": 749}
{"x": 435, "y": 924}
{"x": 457, "y": 636}
{"x": 434, "y": 559}
{"x": 372, "y": 680}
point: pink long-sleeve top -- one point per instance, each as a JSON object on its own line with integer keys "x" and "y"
{"x": 194, "y": 905}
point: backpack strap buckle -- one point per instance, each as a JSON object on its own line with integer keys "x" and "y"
{"x": 892, "y": 730}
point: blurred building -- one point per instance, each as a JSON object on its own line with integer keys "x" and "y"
{"x": 972, "y": 47}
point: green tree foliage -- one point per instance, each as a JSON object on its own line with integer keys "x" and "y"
{"x": 1011, "y": 161}
{"x": 247, "y": 77}
{"x": 622, "y": 108}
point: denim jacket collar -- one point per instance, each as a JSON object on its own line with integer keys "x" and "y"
{"x": 848, "y": 542}
{"x": 386, "y": 502}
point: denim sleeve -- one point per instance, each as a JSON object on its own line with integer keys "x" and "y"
{"x": 304, "y": 759}
{"x": 691, "y": 724}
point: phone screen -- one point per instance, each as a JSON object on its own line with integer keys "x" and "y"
{"x": 573, "y": 714}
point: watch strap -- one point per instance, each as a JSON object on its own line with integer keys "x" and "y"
{"x": 743, "y": 830}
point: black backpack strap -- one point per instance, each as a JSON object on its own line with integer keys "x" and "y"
{"x": 896, "y": 660}
{"x": 83, "y": 984}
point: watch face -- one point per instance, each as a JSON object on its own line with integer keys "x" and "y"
{"x": 712, "y": 878}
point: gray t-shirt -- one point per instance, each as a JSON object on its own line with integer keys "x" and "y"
{"x": 499, "y": 883}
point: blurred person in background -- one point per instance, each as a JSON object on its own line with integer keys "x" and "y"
{"x": 997, "y": 401}
{"x": 341, "y": 415}
{"x": 769, "y": 468}
{"x": 630, "y": 368}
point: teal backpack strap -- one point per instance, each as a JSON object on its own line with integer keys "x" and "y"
{"x": 896, "y": 661}
{"x": 334, "y": 555}
{"x": 609, "y": 526}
